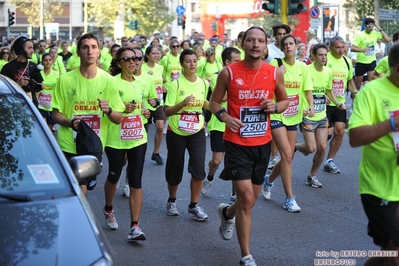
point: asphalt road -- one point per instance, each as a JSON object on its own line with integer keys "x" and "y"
{"x": 332, "y": 219}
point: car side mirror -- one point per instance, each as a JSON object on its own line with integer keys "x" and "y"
{"x": 84, "y": 166}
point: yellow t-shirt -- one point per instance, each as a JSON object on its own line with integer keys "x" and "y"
{"x": 172, "y": 68}
{"x": 296, "y": 81}
{"x": 130, "y": 132}
{"x": 147, "y": 84}
{"x": 383, "y": 66}
{"x": 76, "y": 96}
{"x": 156, "y": 75}
{"x": 189, "y": 120}
{"x": 363, "y": 40}
{"x": 341, "y": 75}
{"x": 45, "y": 96}
{"x": 378, "y": 172}
{"x": 73, "y": 62}
{"x": 206, "y": 70}
{"x": 2, "y": 63}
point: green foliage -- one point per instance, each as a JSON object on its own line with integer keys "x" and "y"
{"x": 365, "y": 8}
{"x": 151, "y": 14}
{"x": 267, "y": 21}
{"x": 51, "y": 9}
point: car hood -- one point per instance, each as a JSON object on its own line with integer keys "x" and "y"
{"x": 51, "y": 232}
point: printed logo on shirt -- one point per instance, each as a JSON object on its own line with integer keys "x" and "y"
{"x": 239, "y": 82}
{"x": 181, "y": 93}
{"x": 121, "y": 93}
{"x": 73, "y": 93}
{"x": 386, "y": 103}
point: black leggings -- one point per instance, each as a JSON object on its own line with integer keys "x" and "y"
{"x": 135, "y": 158}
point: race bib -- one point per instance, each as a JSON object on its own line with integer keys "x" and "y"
{"x": 174, "y": 75}
{"x": 92, "y": 120}
{"x": 319, "y": 103}
{"x": 44, "y": 99}
{"x": 189, "y": 122}
{"x": 371, "y": 50}
{"x": 131, "y": 128}
{"x": 254, "y": 120}
{"x": 159, "y": 92}
{"x": 338, "y": 87}
{"x": 395, "y": 134}
{"x": 292, "y": 108}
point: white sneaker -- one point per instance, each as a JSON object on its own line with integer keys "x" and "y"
{"x": 171, "y": 209}
{"x": 291, "y": 205}
{"x": 273, "y": 162}
{"x": 126, "y": 191}
{"x": 198, "y": 213}
{"x": 267, "y": 188}
{"x": 226, "y": 226}
{"x": 206, "y": 187}
{"x": 248, "y": 261}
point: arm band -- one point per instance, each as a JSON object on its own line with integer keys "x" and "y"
{"x": 219, "y": 113}
{"x": 393, "y": 128}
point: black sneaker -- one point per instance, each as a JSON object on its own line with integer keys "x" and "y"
{"x": 156, "y": 157}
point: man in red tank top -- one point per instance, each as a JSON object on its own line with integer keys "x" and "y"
{"x": 251, "y": 85}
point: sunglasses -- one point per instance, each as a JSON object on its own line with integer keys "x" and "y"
{"x": 128, "y": 59}
{"x": 42, "y": 46}
{"x": 370, "y": 27}
{"x": 175, "y": 46}
{"x": 5, "y": 52}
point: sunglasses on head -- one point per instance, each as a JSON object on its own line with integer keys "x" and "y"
{"x": 175, "y": 46}
{"x": 133, "y": 58}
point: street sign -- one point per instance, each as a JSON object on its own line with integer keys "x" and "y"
{"x": 314, "y": 23}
{"x": 180, "y": 10}
{"x": 388, "y": 14}
{"x": 52, "y": 27}
{"x": 314, "y": 12}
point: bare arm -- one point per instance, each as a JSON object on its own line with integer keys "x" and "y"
{"x": 114, "y": 117}
{"x": 375, "y": 75}
{"x": 282, "y": 100}
{"x": 171, "y": 110}
{"x": 354, "y": 48}
{"x": 61, "y": 119}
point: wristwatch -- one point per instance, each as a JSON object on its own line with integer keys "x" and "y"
{"x": 275, "y": 108}
{"x": 110, "y": 111}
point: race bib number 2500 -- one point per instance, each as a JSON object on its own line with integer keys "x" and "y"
{"x": 255, "y": 121}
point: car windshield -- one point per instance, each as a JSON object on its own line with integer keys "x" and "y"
{"x": 29, "y": 166}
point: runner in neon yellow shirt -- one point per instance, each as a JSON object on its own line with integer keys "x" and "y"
{"x": 89, "y": 94}
{"x": 298, "y": 85}
{"x": 129, "y": 139}
{"x": 183, "y": 105}
{"x": 382, "y": 68}
{"x": 5, "y": 56}
{"x": 210, "y": 67}
{"x": 171, "y": 65}
{"x": 157, "y": 113}
{"x": 73, "y": 62}
{"x": 315, "y": 129}
{"x": 44, "y": 97}
{"x": 374, "y": 125}
{"x": 58, "y": 65}
{"x": 364, "y": 45}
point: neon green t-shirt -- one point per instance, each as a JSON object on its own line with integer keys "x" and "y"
{"x": 147, "y": 84}
{"x": 341, "y": 75}
{"x": 296, "y": 81}
{"x": 322, "y": 81}
{"x": 130, "y": 132}
{"x": 45, "y": 96}
{"x": 207, "y": 69}
{"x": 383, "y": 66}
{"x": 2, "y": 63}
{"x": 76, "y": 96}
{"x": 73, "y": 62}
{"x": 58, "y": 65}
{"x": 214, "y": 124}
{"x": 363, "y": 40}
{"x": 378, "y": 172}
{"x": 242, "y": 52}
{"x": 156, "y": 75}
{"x": 172, "y": 68}
{"x": 189, "y": 120}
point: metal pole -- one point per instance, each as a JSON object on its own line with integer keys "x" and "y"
{"x": 8, "y": 24}
{"x": 41, "y": 20}
{"x": 85, "y": 17}
{"x": 284, "y": 11}
{"x": 70, "y": 20}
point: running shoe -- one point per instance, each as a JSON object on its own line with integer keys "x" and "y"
{"x": 267, "y": 188}
{"x": 171, "y": 209}
{"x": 110, "y": 221}
{"x": 329, "y": 166}
{"x": 248, "y": 261}
{"x": 135, "y": 234}
{"x": 313, "y": 181}
{"x": 226, "y": 226}
{"x": 157, "y": 158}
{"x": 206, "y": 187}
{"x": 126, "y": 191}
{"x": 198, "y": 213}
{"x": 291, "y": 205}
{"x": 273, "y": 162}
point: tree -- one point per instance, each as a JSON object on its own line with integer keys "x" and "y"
{"x": 366, "y": 8}
{"x": 31, "y": 9}
{"x": 151, "y": 14}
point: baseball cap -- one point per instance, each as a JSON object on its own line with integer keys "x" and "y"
{"x": 310, "y": 32}
{"x": 156, "y": 32}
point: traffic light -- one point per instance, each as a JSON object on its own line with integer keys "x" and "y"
{"x": 133, "y": 24}
{"x": 271, "y": 6}
{"x": 214, "y": 25}
{"x": 11, "y": 18}
{"x": 296, "y": 7}
{"x": 183, "y": 22}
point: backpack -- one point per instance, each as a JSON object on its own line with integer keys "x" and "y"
{"x": 88, "y": 143}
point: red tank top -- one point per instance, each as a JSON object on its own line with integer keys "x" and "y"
{"x": 246, "y": 91}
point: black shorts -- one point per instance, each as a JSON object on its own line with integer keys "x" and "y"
{"x": 383, "y": 218}
{"x": 361, "y": 69}
{"x": 217, "y": 144}
{"x": 158, "y": 114}
{"x": 90, "y": 182}
{"x": 334, "y": 114}
{"x": 47, "y": 115}
{"x": 177, "y": 145}
{"x": 246, "y": 162}
{"x": 277, "y": 124}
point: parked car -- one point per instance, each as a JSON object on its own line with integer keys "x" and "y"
{"x": 45, "y": 218}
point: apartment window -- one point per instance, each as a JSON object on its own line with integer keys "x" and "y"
{"x": 193, "y": 7}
